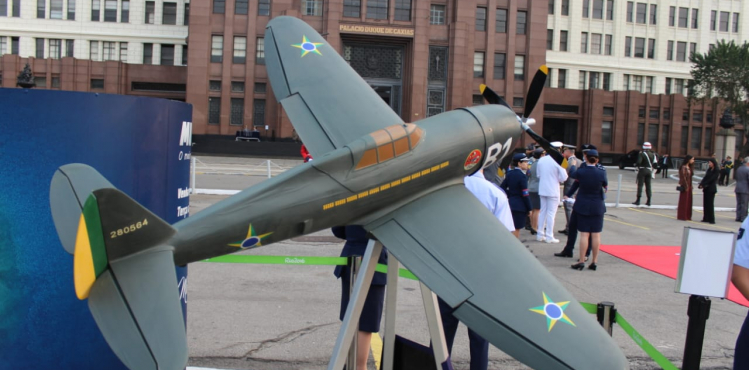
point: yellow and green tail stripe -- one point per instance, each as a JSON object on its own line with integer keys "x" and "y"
{"x": 90, "y": 258}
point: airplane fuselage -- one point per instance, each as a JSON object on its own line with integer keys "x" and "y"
{"x": 355, "y": 184}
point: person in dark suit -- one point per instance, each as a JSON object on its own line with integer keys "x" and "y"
{"x": 665, "y": 163}
{"x": 369, "y": 322}
{"x": 709, "y": 186}
{"x": 515, "y": 185}
{"x": 569, "y": 247}
{"x": 589, "y": 206}
{"x": 742, "y": 190}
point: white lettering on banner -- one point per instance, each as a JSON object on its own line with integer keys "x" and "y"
{"x": 183, "y": 211}
{"x": 294, "y": 260}
{"x": 183, "y": 193}
{"x": 185, "y": 137}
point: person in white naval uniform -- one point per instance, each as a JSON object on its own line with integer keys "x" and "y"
{"x": 550, "y": 175}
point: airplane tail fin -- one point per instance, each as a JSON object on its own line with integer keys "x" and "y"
{"x": 122, "y": 266}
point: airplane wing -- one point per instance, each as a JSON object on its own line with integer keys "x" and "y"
{"x": 453, "y": 244}
{"x": 326, "y": 100}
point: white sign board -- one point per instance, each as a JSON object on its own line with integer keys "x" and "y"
{"x": 705, "y": 262}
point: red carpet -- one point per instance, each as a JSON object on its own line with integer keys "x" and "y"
{"x": 662, "y": 260}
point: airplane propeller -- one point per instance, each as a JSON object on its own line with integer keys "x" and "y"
{"x": 531, "y": 99}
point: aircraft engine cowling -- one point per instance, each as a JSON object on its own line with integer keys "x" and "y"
{"x": 501, "y": 128}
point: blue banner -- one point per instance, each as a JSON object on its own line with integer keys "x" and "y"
{"x": 141, "y": 145}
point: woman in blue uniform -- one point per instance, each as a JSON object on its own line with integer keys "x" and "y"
{"x": 589, "y": 205}
{"x": 515, "y": 185}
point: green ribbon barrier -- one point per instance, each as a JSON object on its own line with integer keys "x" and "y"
{"x": 658, "y": 357}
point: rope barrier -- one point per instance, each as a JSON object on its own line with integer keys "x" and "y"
{"x": 651, "y": 351}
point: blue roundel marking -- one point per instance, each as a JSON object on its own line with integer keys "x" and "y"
{"x": 553, "y": 311}
{"x": 308, "y": 46}
{"x": 250, "y": 242}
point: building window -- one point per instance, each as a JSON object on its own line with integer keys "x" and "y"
{"x": 607, "y": 81}
{"x": 55, "y": 48}
{"x": 708, "y": 138}
{"x": 501, "y": 22}
{"x": 684, "y": 139}
{"x": 547, "y": 81}
{"x": 376, "y": 9}
{"x": 641, "y": 16}
{"x": 606, "y": 132}
{"x": 607, "y": 47}
{"x": 625, "y": 81}
{"x": 696, "y": 137}
{"x": 260, "y": 51}
{"x": 639, "y": 47}
{"x": 69, "y": 48}
{"x": 593, "y": 80}
{"x": 217, "y": 49}
{"x": 214, "y": 85}
{"x": 653, "y": 133}
{"x": 167, "y": 55}
{"x": 653, "y": 14}
{"x": 437, "y": 14}
{"x": 697, "y": 116}
{"x": 724, "y": 21}
{"x": 654, "y": 113}
{"x": 237, "y": 112}
{"x": 110, "y": 10}
{"x": 3, "y": 45}
{"x": 670, "y": 51}
{"x": 562, "y": 40}
{"x": 522, "y": 19}
{"x": 219, "y": 6}
{"x": 517, "y": 102}
{"x": 713, "y": 19}
{"x": 692, "y": 49}
{"x": 565, "y": 7}
{"x": 40, "y": 81}
{"x": 352, "y": 8}
{"x": 170, "y": 13}
{"x": 668, "y": 90}
{"x": 519, "y": 68}
{"x": 637, "y": 86}
{"x": 608, "y": 111}
{"x": 478, "y": 64}
{"x": 672, "y": 16}
{"x": 71, "y": 10}
{"x": 56, "y": 82}
{"x": 240, "y": 6}
{"x": 586, "y": 8}
{"x": 628, "y": 46}
{"x": 681, "y": 51}
{"x": 679, "y": 86}
{"x": 500, "y": 65}
{"x": 562, "y": 78}
{"x": 55, "y": 9}
{"x": 240, "y": 50}
{"x": 683, "y": 17}
{"x": 685, "y": 116}
{"x": 403, "y": 10}
{"x": 312, "y": 7}
{"x": 649, "y": 84}
{"x": 582, "y": 80}
{"x": 260, "y": 88}
{"x": 147, "y": 53}
{"x": 95, "y": 9}
{"x": 709, "y": 117}
{"x": 125, "y": 12}
{"x": 39, "y": 48}
{"x": 184, "y": 55}
{"x": 263, "y": 7}
{"x": 695, "y": 18}
{"x": 14, "y": 41}
{"x": 651, "y": 48}
{"x": 40, "y": 8}
{"x": 597, "y": 9}
{"x": 214, "y": 110}
{"x": 478, "y": 100}
{"x": 630, "y": 11}
{"x": 97, "y": 84}
{"x": 584, "y": 42}
{"x": 123, "y": 52}
{"x": 551, "y": 7}
{"x": 735, "y": 22}
{"x": 640, "y": 133}
{"x": 258, "y": 107}
{"x": 237, "y": 86}
{"x": 549, "y": 39}
{"x": 595, "y": 43}
{"x": 109, "y": 50}
{"x": 480, "y": 18}
{"x": 610, "y": 10}
{"x": 664, "y": 136}
{"x": 94, "y": 50}
{"x": 150, "y": 12}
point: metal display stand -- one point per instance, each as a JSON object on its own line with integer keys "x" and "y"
{"x": 347, "y": 334}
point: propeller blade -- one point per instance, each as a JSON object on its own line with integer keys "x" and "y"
{"x": 550, "y": 150}
{"x": 535, "y": 90}
{"x": 492, "y": 97}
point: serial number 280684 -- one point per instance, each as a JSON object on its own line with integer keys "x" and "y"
{"x": 128, "y": 229}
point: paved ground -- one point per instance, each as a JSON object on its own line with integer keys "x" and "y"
{"x": 259, "y": 317}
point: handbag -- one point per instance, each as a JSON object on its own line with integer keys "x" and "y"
{"x": 680, "y": 188}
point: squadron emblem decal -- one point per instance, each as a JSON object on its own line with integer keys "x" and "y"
{"x": 251, "y": 241}
{"x": 472, "y": 160}
{"x": 308, "y": 47}
{"x": 554, "y": 311}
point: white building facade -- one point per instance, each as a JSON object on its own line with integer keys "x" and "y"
{"x": 636, "y": 45}
{"x": 131, "y": 31}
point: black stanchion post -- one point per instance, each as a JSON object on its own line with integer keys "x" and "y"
{"x": 606, "y": 315}
{"x": 698, "y": 312}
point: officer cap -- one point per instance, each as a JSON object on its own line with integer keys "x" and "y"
{"x": 520, "y": 157}
{"x": 592, "y": 153}
{"x": 557, "y": 144}
{"x": 588, "y": 147}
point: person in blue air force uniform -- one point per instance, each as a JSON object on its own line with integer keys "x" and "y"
{"x": 515, "y": 185}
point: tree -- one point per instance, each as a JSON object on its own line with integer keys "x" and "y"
{"x": 723, "y": 72}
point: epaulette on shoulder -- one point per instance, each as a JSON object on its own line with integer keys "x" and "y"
{"x": 600, "y": 167}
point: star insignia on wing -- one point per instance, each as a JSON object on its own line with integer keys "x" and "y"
{"x": 554, "y": 311}
{"x": 252, "y": 240}
{"x": 308, "y": 47}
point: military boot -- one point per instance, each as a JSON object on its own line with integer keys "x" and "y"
{"x": 637, "y": 202}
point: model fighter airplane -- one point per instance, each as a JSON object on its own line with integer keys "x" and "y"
{"x": 402, "y": 181}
